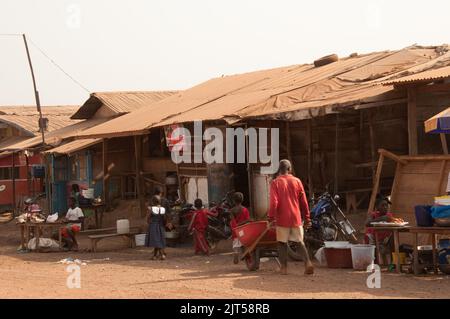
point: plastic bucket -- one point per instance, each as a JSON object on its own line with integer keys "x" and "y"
{"x": 362, "y": 256}
{"x": 423, "y": 216}
{"x": 140, "y": 239}
{"x": 339, "y": 257}
{"x": 123, "y": 226}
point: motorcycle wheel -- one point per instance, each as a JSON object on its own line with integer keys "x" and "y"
{"x": 252, "y": 261}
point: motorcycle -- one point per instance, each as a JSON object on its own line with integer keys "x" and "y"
{"x": 219, "y": 219}
{"x": 329, "y": 223}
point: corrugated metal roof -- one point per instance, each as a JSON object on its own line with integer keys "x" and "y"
{"x": 119, "y": 102}
{"x": 426, "y": 76}
{"x": 26, "y": 118}
{"x": 292, "y": 93}
{"x": 74, "y": 146}
{"x": 55, "y": 138}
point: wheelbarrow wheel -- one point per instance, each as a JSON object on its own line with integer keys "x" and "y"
{"x": 252, "y": 260}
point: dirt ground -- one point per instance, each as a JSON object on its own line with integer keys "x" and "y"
{"x": 118, "y": 272}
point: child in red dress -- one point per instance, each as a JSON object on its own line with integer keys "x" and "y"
{"x": 198, "y": 225}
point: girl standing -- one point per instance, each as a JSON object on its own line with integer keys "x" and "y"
{"x": 156, "y": 236}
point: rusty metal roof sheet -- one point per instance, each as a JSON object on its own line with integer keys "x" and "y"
{"x": 433, "y": 75}
{"x": 119, "y": 102}
{"x": 289, "y": 93}
{"x": 26, "y": 118}
{"x": 74, "y": 146}
{"x": 55, "y": 138}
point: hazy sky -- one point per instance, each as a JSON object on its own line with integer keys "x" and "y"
{"x": 174, "y": 44}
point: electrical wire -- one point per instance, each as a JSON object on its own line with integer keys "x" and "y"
{"x": 50, "y": 59}
{"x": 58, "y": 66}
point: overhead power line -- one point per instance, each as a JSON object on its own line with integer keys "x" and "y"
{"x": 51, "y": 60}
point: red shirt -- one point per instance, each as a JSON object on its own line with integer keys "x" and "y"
{"x": 243, "y": 216}
{"x": 201, "y": 220}
{"x": 288, "y": 202}
{"x": 381, "y": 235}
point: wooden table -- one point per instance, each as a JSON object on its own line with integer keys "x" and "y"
{"x": 433, "y": 231}
{"x": 395, "y": 232}
{"x": 38, "y": 228}
{"x": 98, "y": 212}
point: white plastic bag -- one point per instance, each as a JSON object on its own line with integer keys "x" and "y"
{"x": 52, "y": 218}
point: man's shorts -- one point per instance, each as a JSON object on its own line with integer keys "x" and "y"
{"x": 285, "y": 234}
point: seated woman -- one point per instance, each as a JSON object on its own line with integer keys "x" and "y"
{"x": 381, "y": 214}
{"x": 75, "y": 217}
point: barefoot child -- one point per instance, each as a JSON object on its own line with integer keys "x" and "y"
{"x": 156, "y": 236}
{"x": 240, "y": 215}
{"x": 198, "y": 225}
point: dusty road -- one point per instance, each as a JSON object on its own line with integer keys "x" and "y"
{"x": 128, "y": 273}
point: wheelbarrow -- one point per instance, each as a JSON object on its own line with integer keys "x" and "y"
{"x": 259, "y": 240}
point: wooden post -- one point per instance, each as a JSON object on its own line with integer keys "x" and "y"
{"x": 336, "y": 155}
{"x": 310, "y": 150}
{"x": 372, "y": 145}
{"x": 288, "y": 145}
{"x": 249, "y": 173}
{"x": 444, "y": 143}
{"x": 441, "y": 177}
{"x": 105, "y": 172}
{"x": 13, "y": 177}
{"x": 412, "y": 122}
{"x": 36, "y": 92}
{"x": 376, "y": 184}
{"x": 139, "y": 186}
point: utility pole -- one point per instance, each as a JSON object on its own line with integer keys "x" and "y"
{"x": 36, "y": 93}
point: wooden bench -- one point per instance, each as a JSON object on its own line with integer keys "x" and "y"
{"x": 128, "y": 236}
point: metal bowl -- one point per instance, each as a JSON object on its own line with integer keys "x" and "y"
{"x": 442, "y": 222}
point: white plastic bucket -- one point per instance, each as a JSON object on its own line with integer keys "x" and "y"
{"x": 362, "y": 256}
{"x": 88, "y": 193}
{"x": 337, "y": 244}
{"x": 123, "y": 226}
{"x": 140, "y": 239}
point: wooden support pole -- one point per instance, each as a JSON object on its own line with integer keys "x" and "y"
{"x": 105, "y": 172}
{"x": 441, "y": 178}
{"x": 392, "y": 156}
{"x": 288, "y": 145}
{"x": 310, "y": 151}
{"x": 444, "y": 143}
{"x": 412, "y": 122}
{"x": 13, "y": 178}
{"x": 372, "y": 144}
{"x": 376, "y": 185}
{"x": 139, "y": 184}
{"x": 336, "y": 155}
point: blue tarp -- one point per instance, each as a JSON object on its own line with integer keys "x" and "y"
{"x": 440, "y": 211}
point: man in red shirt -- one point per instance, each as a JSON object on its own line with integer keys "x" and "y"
{"x": 289, "y": 209}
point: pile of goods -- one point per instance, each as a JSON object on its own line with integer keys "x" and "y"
{"x": 30, "y": 217}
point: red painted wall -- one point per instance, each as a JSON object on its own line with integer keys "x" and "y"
{"x": 21, "y": 183}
